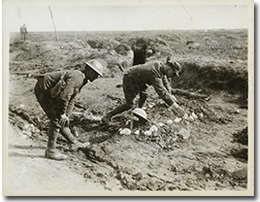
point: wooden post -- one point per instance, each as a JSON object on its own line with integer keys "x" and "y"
{"x": 19, "y": 15}
{"x": 57, "y": 38}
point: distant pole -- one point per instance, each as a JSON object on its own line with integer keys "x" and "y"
{"x": 19, "y": 16}
{"x": 57, "y": 38}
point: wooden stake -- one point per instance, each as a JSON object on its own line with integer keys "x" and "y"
{"x": 57, "y": 38}
{"x": 19, "y": 15}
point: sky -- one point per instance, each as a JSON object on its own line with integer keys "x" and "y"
{"x": 125, "y": 15}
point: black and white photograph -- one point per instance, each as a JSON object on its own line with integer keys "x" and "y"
{"x": 128, "y": 98}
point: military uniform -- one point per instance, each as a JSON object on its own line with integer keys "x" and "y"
{"x": 56, "y": 93}
{"x": 139, "y": 77}
{"x": 136, "y": 80}
{"x": 23, "y": 32}
{"x": 64, "y": 102}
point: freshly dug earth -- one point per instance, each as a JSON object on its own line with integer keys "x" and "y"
{"x": 209, "y": 151}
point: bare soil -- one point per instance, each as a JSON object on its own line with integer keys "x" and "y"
{"x": 203, "y": 154}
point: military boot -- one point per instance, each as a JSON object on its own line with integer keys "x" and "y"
{"x": 74, "y": 144}
{"x": 107, "y": 118}
{"x": 51, "y": 151}
{"x": 78, "y": 145}
{"x": 55, "y": 154}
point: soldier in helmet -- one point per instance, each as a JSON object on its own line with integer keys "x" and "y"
{"x": 56, "y": 94}
{"x": 139, "y": 77}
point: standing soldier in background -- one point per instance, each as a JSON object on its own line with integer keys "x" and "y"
{"x": 56, "y": 93}
{"x": 23, "y": 32}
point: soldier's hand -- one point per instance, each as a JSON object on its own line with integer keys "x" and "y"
{"x": 174, "y": 98}
{"x": 64, "y": 120}
{"x": 177, "y": 110}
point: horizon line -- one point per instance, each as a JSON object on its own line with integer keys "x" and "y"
{"x": 138, "y": 30}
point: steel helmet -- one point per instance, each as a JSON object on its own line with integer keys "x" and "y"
{"x": 140, "y": 112}
{"x": 178, "y": 68}
{"x": 96, "y": 66}
{"x": 175, "y": 65}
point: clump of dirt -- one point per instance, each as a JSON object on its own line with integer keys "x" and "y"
{"x": 123, "y": 49}
{"x": 103, "y": 43}
{"x": 241, "y": 136}
{"x": 211, "y": 75}
{"x": 241, "y": 151}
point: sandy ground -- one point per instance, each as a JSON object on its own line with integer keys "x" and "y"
{"x": 29, "y": 172}
{"x": 201, "y": 160}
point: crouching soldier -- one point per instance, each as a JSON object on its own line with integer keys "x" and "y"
{"x": 139, "y": 77}
{"x": 56, "y": 93}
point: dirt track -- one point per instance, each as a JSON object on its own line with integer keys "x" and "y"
{"x": 208, "y": 153}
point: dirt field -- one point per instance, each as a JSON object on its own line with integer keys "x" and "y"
{"x": 208, "y": 152}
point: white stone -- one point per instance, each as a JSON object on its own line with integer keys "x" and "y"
{"x": 125, "y": 131}
{"x": 148, "y": 133}
{"x": 153, "y": 128}
{"x": 137, "y": 132}
{"x": 185, "y": 116}
{"x": 194, "y": 115}
{"x": 150, "y": 106}
{"x": 177, "y": 120}
{"x": 161, "y": 124}
{"x": 169, "y": 122}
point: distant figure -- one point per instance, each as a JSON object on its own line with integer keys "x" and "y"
{"x": 23, "y": 32}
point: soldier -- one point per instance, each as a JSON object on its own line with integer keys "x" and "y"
{"x": 23, "y": 32}
{"x": 139, "y": 77}
{"x": 56, "y": 93}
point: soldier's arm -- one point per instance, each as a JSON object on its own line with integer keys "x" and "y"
{"x": 166, "y": 83}
{"x": 71, "y": 105}
{"x": 162, "y": 91}
{"x": 65, "y": 97}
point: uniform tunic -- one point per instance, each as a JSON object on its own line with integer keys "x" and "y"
{"x": 23, "y": 32}
{"x": 139, "y": 77}
{"x": 64, "y": 102}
